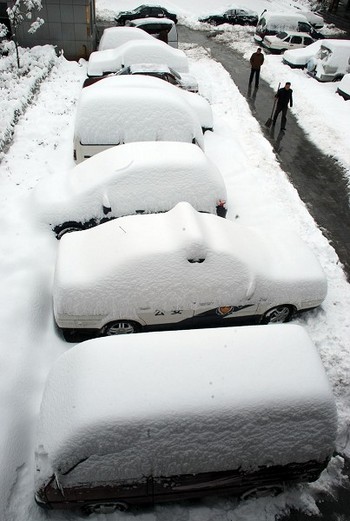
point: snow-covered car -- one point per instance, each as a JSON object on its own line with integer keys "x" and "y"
{"x": 113, "y": 37}
{"x": 315, "y": 19}
{"x": 298, "y": 58}
{"x": 183, "y": 414}
{"x": 138, "y": 51}
{"x": 286, "y": 40}
{"x": 145, "y": 11}
{"x": 331, "y": 62}
{"x": 234, "y": 15}
{"x": 271, "y": 23}
{"x": 164, "y": 72}
{"x": 134, "y": 178}
{"x": 163, "y": 29}
{"x": 180, "y": 269}
{"x": 121, "y": 109}
{"x": 344, "y": 87}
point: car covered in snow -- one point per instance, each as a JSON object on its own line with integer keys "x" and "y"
{"x": 165, "y": 416}
{"x": 145, "y": 11}
{"x": 234, "y": 15}
{"x": 271, "y": 23}
{"x": 331, "y": 62}
{"x": 138, "y": 51}
{"x": 180, "y": 269}
{"x": 113, "y": 37}
{"x": 285, "y": 40}
{"x": 344, "y": 87}
{"x": 135, "y": 178}
{"x": 298, "y": 58}
{"x": 162, "y": 29}
{"x": 164, "y": 72}
{"x": 315, "y": 19}
{"x": 125, "y": 109}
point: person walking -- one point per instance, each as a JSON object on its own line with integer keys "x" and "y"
{"x": 284, "y": 97}
{"x": 256, "y": 61}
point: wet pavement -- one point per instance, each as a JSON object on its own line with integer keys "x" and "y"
{"x": 322, "y": 185}
{"x": 319, "y": 179}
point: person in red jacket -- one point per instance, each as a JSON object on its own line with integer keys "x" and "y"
{"x": 256, "y": 61}
{"x": 284, "y": 97}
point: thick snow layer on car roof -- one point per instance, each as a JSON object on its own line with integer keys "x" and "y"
{"x": 152, "y": 176}
{"x": 200, "y": 105}
{"x": 113, "y": 37}
{"x": 301, "y": 56}
{"x": 156, "y": 51}
{"x": 106, "y": 116}
{"x": 186, "y": 402}
{"x": 153, "y": 20}
{"x": 145, "y": 265}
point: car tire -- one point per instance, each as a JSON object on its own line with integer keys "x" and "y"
{"x": 104, "y": 508}
{"x": 67, "y": 227}
{"x": 278, "y": 315}
{"x": 121, "y": 327}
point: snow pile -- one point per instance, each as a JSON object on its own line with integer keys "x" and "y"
{"x": 187, "y": 402}
{"x": 18, "y": 86}
{"x": 143, "y": 176}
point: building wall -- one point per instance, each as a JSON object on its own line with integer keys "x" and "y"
{"x": 69, "y": 25}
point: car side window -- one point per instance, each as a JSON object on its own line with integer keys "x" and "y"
{"x": 308, "y": 41}
{"x": 303, "y": 27}
{"x": 296, "y": 39}
{"x": 287, "y": 39}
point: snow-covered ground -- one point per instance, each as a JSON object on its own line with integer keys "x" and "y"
{"x": 258, "y": 191}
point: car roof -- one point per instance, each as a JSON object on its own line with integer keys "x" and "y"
{"x": 113, "y": 37}
{"x": 151, "y": 20}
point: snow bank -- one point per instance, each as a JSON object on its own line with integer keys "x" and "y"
{"x": 186, "y": 402}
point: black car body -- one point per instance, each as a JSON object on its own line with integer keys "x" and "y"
{"x": 144, "y": 11}
{"x": 232, "y": 16}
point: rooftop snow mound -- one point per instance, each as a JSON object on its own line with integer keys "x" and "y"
{"x": 114, "y": 37}
{"x": 155, "y": 51}
{"x": 186, "y": 402}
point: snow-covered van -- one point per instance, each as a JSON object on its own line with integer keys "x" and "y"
{"x": 331, "y": 62}
{"x": 108, "y": 115}
{"x": 162, "y": 29}
{"x": 271, "y": 23}
{"x": 157, "y": 417}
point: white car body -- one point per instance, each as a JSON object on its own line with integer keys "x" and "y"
{"x": 135, "y": 178}
{"x": 298, "y": 58}
{"x": 114, "y": 37}
{"x": 184, "y": 81}
{"x": 287, "y": 40}
{"x": 331, "y": 62}
{"x": 344, "y": 87}
{"x": 108, "y": 115}
{"x": 155, "y": 51}
{"x": 147, "y": 416}
{"x": 180, "y": 268}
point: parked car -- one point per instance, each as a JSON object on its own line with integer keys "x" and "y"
{"x": 298, "y": 58}
{"x": 162, "y": 71}
{"x": 344, "y": 87}
{"x": 180, "y": 269}
{"x": 235, "y": 15}
{"x": 135, "y": 178}
{"x": 271, "y": 23}
{"x": 183, "y": 415}
{"x": 144, "y": 11}
{"x": 315, "y": 19}
{"x": 286, "y": 40}
{"x": 162, "y": 29}
{"x": 113, "y": 37}
{"x": 200, "y": 106}
{"x": 150, "y": 51}
{"x": 331, "y": 62}
{"x": 126, "y": 109}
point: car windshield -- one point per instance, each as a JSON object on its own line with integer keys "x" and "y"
{"x": 175, "y": 73}
{"x": 282, "y": 35}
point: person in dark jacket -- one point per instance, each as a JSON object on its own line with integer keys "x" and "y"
{"x": 256, "y": 61}
{"x": 284, "y": 97}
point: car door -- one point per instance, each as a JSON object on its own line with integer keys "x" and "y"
{"x": 160, "y": 317}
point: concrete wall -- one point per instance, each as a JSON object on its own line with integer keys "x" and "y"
{"x": 69, "y": 25}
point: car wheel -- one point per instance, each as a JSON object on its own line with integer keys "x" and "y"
{"x": 67, "y": 227}
{"x": 121, "y": 327}
{"x": 277, "y": 315}
{"x": 105, "y": 508}
{"x": 257, "y": 492}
